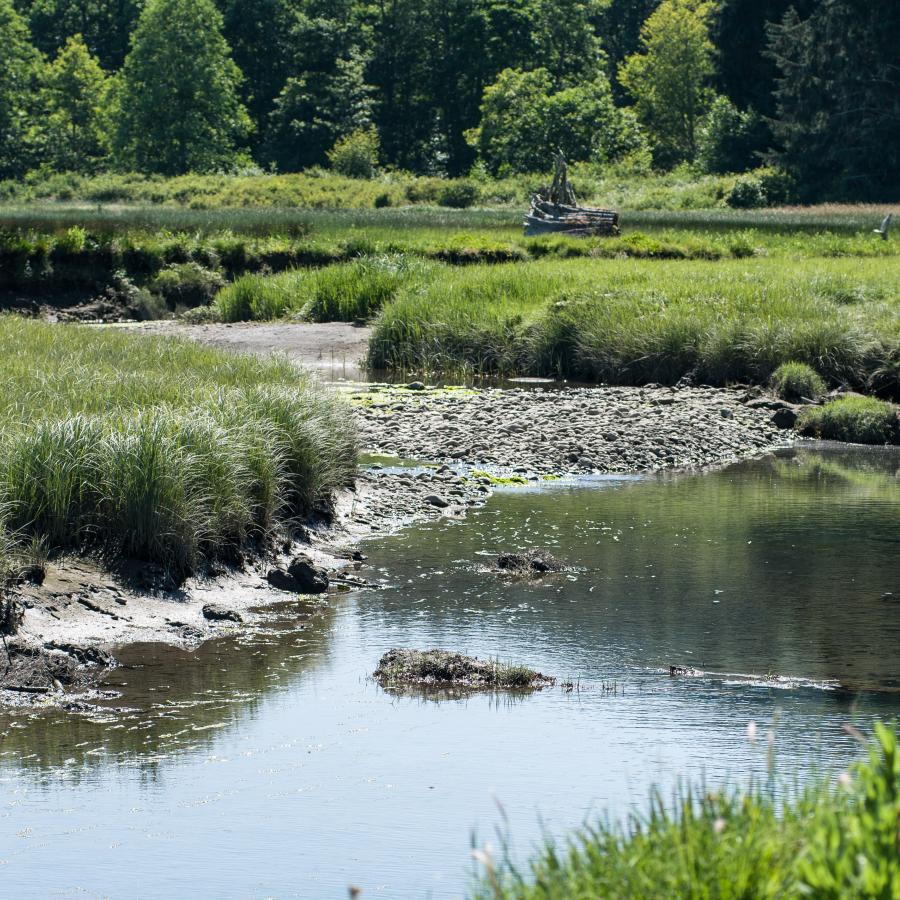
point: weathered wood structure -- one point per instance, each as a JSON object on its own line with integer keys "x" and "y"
{"x": 555, "y": 209}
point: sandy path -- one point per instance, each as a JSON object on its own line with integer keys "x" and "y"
{"x": 331, "y": 349}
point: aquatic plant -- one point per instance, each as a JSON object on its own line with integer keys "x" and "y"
{"x": 443, "y": 667}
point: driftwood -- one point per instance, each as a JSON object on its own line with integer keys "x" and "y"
{"x": 555, "y": 209}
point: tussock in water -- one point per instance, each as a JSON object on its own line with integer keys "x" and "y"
{"x": 443, "y": 667}
{"x": 530, "y": 562}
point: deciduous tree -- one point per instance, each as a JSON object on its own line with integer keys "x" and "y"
{"x": 76, "y": 123}
{"x": 669, "y": 78}
{"x": 20, "y": 68}
{"x": 179, "y": 105}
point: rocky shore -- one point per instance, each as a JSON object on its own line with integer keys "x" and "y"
{"x": 577, "y": 431}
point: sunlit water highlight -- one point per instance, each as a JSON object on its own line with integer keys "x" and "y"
{"x": 270, "y": 765}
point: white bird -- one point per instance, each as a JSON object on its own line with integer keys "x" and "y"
{"x": 885, "y": 227}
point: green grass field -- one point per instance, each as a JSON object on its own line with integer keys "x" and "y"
{"x": 634, "y": 322}
{"x": 828, "y": 841}
{"x": 157, "y": 449}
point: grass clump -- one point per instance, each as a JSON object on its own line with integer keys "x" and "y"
{"x": 443, "y": 668}
{"x": 156, "y": 449}
{"x": 795, "y": 381}
{"x": 860, "y": 420}
{"x": 820, "y": 843}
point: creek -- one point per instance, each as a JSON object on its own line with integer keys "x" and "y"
{"x": 269, "y": 764}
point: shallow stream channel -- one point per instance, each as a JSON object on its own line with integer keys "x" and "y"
{"x": 268, "y": 763}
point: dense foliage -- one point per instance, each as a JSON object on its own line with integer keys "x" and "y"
{"x": 178, "y": 86}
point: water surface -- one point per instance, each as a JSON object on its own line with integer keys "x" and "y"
{"x": 270, "y": 765}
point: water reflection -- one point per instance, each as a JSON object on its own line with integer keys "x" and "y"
{"x": 270, "y": 764}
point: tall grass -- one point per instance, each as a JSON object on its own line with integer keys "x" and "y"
{"x": 632, "y": 323}
{"x": 157, "y": 449}
{"x": 823, "y": 842}
{"x": 344, "y": 293}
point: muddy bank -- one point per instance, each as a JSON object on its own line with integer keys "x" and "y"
{"x": 469, "y": 440}
{"x": 569, "y": 430}
{"x": 65, "y": 626}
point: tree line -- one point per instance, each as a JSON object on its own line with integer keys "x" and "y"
{"x": 444, "y": 86}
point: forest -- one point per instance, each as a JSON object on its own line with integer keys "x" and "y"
{"x": 809, "y": 89}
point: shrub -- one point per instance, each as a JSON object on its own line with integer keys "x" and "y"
{"x": 778, "y": 186}
{"x": 356, "y": 155}
{"x": 382, "y": 201}
{"x": 187, "y": 285}
{"x": 458, "y": 194}
{"x": 860, "y": 420}
{"x": 794, "y": 381}
{"x": 730, "y": 138}
{"x": 747, "y": 193}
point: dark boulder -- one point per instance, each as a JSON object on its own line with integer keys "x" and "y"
{"x": 302, "y": 576}
{"x": 214, "y": 612}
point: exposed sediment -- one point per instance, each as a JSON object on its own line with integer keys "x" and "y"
{"x": 569, "y": 430}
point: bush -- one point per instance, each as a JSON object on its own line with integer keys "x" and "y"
{"x": 779, "y": 186}
{"x": 458, "y": 194}
{"x": 794, "y": 381}
{"x": 356, "y": 155}
{"x": 730, "y": 138}
{"x": 859, "y": 420}
{"x": 747, "y": 193}
{"x": 185, "y": 285}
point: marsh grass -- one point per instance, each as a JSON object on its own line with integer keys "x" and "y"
{"x": 818, "y": 842}
{"x": 157, "y": 449}
{"x": 795, "y": 381}
{"x": 632, "y": 323}
{"x": 860, "y": 420}
{"x": 341, "y": 293}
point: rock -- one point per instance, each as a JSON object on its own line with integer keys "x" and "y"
{"x": 11, "y": 616}
{"x": 786, "y": 417}
{"x": 415, "y": 386}
{"x": 436, "y": 501}
{"x": 215, "y": 612}
{"x": 311, "y": 578}
{"x": 280, "y": 580}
